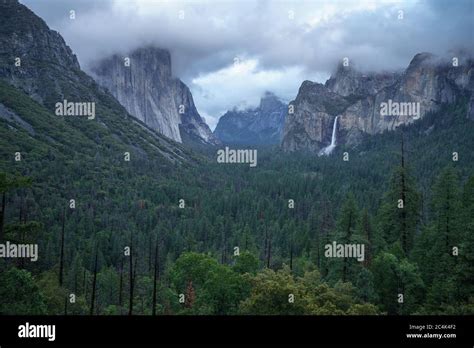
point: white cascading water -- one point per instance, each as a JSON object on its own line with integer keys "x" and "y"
{"x": 328, "y": 149}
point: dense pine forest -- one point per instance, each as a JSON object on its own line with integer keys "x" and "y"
{"x": 152, "y": 236}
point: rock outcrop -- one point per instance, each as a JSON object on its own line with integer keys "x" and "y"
{"x": 262, "y": 125}
{"x": 37, "y": 61}
{"x": 143, "y": 83}
{"x": 35, "y": 58}
{"x": 373, "y": 102}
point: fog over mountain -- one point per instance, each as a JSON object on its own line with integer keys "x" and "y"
{"x": 290, "y": 41}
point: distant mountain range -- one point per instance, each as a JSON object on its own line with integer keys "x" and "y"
{"x": 37, "y": 61}
{"x": 254, "y": 126}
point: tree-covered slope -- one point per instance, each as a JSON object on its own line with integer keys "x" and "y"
{"x": 220, "y": 238}
{"x": 138, "y": 203}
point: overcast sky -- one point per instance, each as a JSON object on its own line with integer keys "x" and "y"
{"x": 230, "y": 52}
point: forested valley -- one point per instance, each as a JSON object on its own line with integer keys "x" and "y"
{"x": 151, "y": 236}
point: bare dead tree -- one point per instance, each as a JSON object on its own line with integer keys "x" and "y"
{"x": 94, "y": 280}
{"x": 61, "y": 257}
{"x": 121, "y": 283}
{"x": 156, "y": 274}
{"x": 130, "y": 306}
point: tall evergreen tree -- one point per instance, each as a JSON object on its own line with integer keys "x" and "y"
{"x": 466, "y": 245}
{"x": 345, "y": 234}
{"x": 131, "y": 275}
{"x": 61, "y": 253}
{"x": 94, "y": 281}
{"x": 7, "y": 183}
{"x": 399, "y": 214}
{"x": 446, "y": 208}
{"x": 156, "y": 274}
{"x": 346, "y": 228}
{"x": 366, "y": 231}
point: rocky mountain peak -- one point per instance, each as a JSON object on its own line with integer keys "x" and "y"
{"x": 347, "y": 80}
{"x": 260, "y": 125}
{"x": 149, "y": 60}
{"x": 269, "y": 102}
{"x": 42, "y": 58}
{"x": 321, "y": 98}
{"x": 142, "y": 82}
{"x": 421, "y": 59}
{"x": 345, "y": 71}
{"x": 32, "y": 37}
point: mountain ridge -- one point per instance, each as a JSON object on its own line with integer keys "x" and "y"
{"x": 262, "y": 125}
{"x": 37, "y": 61}
{"x": 357, "y": 99}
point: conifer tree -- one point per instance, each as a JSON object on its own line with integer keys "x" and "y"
{"x": 94, "y": 281}
{"x": 466, "y": 245}
{"x": 399, "y": 214}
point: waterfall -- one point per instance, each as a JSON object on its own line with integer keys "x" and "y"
{"x": 328, "y": 149}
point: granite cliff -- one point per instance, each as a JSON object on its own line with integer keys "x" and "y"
{"x": 255, "y": 126}
{"x": 374, "y": 102}
{"x": 143, "y": 83}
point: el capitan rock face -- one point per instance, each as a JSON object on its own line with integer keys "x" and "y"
{"x": 147, "y": 89}
{"x": 357, "y": 99}
{"x": 257, "y": 126}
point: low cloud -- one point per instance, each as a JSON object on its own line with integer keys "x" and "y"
{"x": 281, "y": 43}
{"x": 242, "y": 84}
